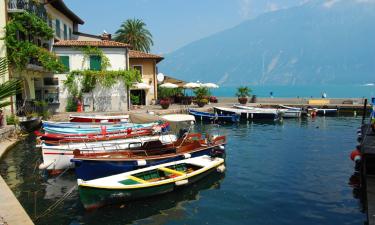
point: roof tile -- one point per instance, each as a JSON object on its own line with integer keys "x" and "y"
{"x": 143, "y": 55}
{"x": 103, "y": 43}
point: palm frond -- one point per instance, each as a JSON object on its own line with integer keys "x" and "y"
{"x": 3, "y": 66}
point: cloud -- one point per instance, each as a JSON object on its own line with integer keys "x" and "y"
{"x": 245, "y": 8}
{"x": 271, "y": 6}
{"x": 330, "y": 3}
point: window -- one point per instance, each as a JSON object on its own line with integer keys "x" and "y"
{"x": 70, "y": 33}
{"x": 51, "y": 81}
{"x": 95, "y": 62}
{"x": 50, "y": 23}
{"x": 139, "y": 68}
{"x": 57, "y": 28}
{"x": 65, "y": 61}
{"x": 65, "y": 32}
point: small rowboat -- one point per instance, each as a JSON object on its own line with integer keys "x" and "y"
{"x": 214, "y": 117}
{"x": 90, "y": 166}
{"x": 78, "y": 125}
{"x": 98, "y": 118}
{"x": 30, "y": 124}
{"x": 249, "y": 114}
{"x": 146, "y": 182}
{"x": 57, "y": 158}
{"x": 97, "y": 130}
{"x": 285, "y": 112}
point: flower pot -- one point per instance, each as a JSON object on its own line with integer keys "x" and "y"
{"x": 201, "y": 104}
{"x": 165, "y": 103}
{"x": 242, "y": 100}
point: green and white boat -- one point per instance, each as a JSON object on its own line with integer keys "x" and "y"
{"x": 146, "y": 182}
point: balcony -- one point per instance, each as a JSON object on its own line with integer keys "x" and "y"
{"x": 16, "y": 6}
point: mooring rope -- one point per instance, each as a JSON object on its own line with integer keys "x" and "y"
{"x": 57, "y": 203}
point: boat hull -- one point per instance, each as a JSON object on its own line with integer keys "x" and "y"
{"x": 98, "y": 119}
{"x": 93, "y": 169}
{"x": 214, "y": 118}
{"x": 245, "y": 116}
{"x": 92, "y": 197}
{"x": 30, "y": 125}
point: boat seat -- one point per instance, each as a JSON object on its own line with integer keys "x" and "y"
{"x": 139, "y": 180}
{"x": 171, "y": 171}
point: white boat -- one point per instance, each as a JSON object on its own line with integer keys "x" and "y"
{"x": 286, "y": 112}
{"x": 58, "y": 157}
{"x": 250, "y": 114}
{"x": 98, "y": 118}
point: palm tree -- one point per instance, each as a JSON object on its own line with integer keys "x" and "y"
{"x": 135, "y": 33}
{"x": 8, "y": 88}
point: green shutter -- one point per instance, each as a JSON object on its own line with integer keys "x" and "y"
{"x": 65, "y": 32}
{"x": 65, "y": 61}
{"x": 58, "y": 34}
{"x": 95, "y": 62}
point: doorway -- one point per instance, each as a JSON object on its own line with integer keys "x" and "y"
{"x": 138, "y": 97}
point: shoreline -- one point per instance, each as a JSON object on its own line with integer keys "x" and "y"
{"x": 11, "y": 210}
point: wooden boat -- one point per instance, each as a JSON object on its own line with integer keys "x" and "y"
{"x": 98, "y": 118}
{"x": 29, "y": 125}
{"x": 90, "y": 166}
{"x": 214, "y": 117}
{"x": 97, "y": 130}
{"x": 155, "y": 180}
{"x": 57, "y": 158}
{"x": 247, "y": 114}
{"x": 78, "y": 124}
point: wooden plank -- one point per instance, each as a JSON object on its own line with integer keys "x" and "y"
{"x": 171, "y": 171}
{"x": 139, "y": 180}
{"x": 319, "y": 101}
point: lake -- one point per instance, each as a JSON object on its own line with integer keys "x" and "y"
{"x": 294, "y": 172}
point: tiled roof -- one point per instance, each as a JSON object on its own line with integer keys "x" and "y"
{"x": 143, "y": 55}
{"x": 103, "y": 43}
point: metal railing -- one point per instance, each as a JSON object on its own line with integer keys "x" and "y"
{"x": 27, "y": 5}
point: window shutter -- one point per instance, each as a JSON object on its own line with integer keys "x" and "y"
{"x": 95, "y": 63}
{"x": 70, "y": 33}
{"x": 65, "y": 32}
{"x": 58, "y": 34}
{"x": 65, "y": 61}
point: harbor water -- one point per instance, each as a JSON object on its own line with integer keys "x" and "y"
{"x": 293, "y": 172}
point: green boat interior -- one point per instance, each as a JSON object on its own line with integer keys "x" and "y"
{"x": 161, "y": 173}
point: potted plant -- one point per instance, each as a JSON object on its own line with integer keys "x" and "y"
{"x": 201, "y": 96}
{"x": 165, "y": 103}
{"x": 165, "y": 95}
{"x": 213, "y": 99}
{"x": 243, "y": 93}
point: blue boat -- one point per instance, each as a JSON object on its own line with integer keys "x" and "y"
{"x": 214, "y": 117}
{"x": 96, "y": 130}
{"x": 92, "y": 166}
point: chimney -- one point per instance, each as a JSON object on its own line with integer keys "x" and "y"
{"x": 106, "y": 37}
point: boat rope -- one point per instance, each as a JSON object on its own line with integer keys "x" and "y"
{"x": 62, "y": 173}
{"x": 57, "y": 203}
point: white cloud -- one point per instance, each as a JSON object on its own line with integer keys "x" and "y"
{"x": 271, "y": 6}
{"x": 330, "y": 3}
{"x": 245, "y": 8}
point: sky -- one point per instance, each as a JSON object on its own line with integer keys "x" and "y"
{"x": 173, "y": 23}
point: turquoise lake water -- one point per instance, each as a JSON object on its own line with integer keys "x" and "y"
{"x": 332, "y": 91}
{"x": 294, "y": 172}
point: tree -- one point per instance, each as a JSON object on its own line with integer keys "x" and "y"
{"x": 135, "y": 33}
{"x": 8, "y": 88}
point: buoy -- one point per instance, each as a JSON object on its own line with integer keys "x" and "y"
{"x": 313, "y": 114}
{"x": 222, "y": 147}
{"x": 187, "y": 155}
{"x": 220, "y": 169}
{"x": 141, "y": 162}
{"x": 355, "y": 155}
{"x": 44, "y": 166}
{"x": 104, "y": 130}
{"x": 181, "y": 182}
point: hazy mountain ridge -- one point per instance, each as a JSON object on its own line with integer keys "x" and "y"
{"x": 315, "y": 43}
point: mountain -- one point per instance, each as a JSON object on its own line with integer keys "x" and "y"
{"x": 319, "y": 42}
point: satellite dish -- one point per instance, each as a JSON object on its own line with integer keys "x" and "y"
{"x": 160, "y": 77}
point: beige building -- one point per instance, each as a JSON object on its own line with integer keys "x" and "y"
{"x": 147, "y": 64}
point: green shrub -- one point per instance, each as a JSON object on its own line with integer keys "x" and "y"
{"x": 12, "y": 120}
{"x": 71, "y": 105}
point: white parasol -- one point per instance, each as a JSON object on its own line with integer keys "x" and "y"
{"x": 192, "y": 85}
{"x": 169, "y": 85}
{"x": 141, "y": 86}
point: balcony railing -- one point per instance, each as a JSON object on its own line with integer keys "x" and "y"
{"x": 27, "y": 5}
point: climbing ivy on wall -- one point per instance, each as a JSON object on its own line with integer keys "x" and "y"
{"x": 88, "y": 79}
{"x": 21, "y": 50}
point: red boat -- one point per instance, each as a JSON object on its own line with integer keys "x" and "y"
{"x": 98, "y": 118}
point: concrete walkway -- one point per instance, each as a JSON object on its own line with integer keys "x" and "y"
{"x": 11, "y": 211}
